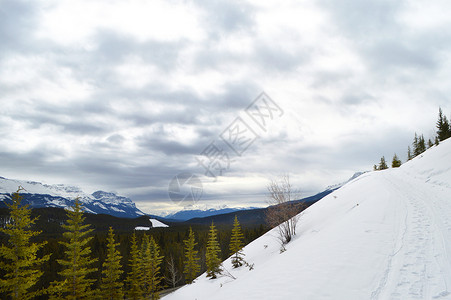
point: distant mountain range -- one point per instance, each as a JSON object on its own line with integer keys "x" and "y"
{"x": 252, "y": 215}
{"x": 202, "y": 212}
{"x": 39, "y": 195}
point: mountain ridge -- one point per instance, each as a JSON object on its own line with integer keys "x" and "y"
{"x": 39, "y": 195}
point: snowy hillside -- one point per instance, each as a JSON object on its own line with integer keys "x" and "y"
{"x": 37, "y": 195}
{"x": 384, "y": 235}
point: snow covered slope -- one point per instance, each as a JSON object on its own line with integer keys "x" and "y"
{"x": 384, "y": 235}
{"x": 37, "y": 195}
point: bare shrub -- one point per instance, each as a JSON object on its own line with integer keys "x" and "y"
{"x": 284, "y": 210}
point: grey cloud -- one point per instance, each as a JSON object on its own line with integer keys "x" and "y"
{"x": 223, "y": 17}
{"x": 17, "y": 21}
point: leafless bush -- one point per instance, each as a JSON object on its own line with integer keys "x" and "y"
{"x": 283, "y": 212}
{"x": 173, "y": 276}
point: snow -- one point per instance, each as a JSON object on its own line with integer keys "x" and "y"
{"x": 156, "y": 223}
{"x": 384, "y": 235}
{"x": 142, "y": 228}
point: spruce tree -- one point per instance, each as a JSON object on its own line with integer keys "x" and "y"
{"x": 443, "y": 126}
{"x": 396, "y": 162}
{"x": 416, "y": 149}
{"x": 77, "y": 263}
{"x": 236, "y": 244}
{"x": 192, "y": 266}
{"x": 134, "y": 290}
{"x": 19, "y": 260}
{"x": 111, "y": 288}
{"x": 430, "y": 143}
{"x": 421, "y": 144}
{"x": 383, "y": 164}
{"x": 409, "y": 153}
{"x": 212, "y": 253}
{"x": 151, "y": 261}
{"x": 436, "y": 142}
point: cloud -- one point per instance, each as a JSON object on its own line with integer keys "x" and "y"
{"x": 124, "y": 96}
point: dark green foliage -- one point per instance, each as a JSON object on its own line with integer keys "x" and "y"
{"x": 396, "y": 162}
{"x": 170, "y": 241}
{"x": 430, "y": 143}
{"x": 443, "y": 126}
{"x": 76, "y": 265}
{"x": 236, "y": 245}
{"x": 409, "y": 153}
{"x": 382, "y": 164}
{"x": 212, "y": 254}
{"x": 111, "y": 287}
{"x": 192, "y": 266}
{"x": 419, "y": 145}
{"x": 19, "y": 258}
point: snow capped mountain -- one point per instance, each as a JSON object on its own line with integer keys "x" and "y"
{"x": 38, "y": 195}
{"x": 384, "y": 235}
{"x": 201, "y": 211}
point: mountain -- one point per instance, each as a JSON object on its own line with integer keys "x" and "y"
{"x": 251, "y": 216}
{"x": 39, "y": 195}
{"x": 384, "y": 235}
{"x": 191, "y": 212}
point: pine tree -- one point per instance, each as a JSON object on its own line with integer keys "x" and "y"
{"x": 111, "y": 287}
{"x": 396, "y": 162}
{"x": 236, "y": 244}
{"x": 436, "y": 142}
{"x": 192, "y": 266}
{"x": 76, "y": 265}
{"x": 409, "y": 153}
{"x": 443, "y": 126}
{"x": 383, "y": 164}
{"x": 134, "y": 276}
{"x": 151, "y": 261}
{"x": 415, "y": 145}
{"x": 421, "y": 144}
{"x": 430, "y": 143}
{"x": 212, "y": 253}
{"x": 19, "y": 260}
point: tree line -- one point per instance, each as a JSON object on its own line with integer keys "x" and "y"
{"x": 82, "y": 275}
{"x": 419, "y": 144}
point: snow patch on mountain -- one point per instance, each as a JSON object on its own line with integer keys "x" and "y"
{"x": 37, "y": 195}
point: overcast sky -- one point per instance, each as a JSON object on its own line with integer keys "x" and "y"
{"x": 124, "y": 95}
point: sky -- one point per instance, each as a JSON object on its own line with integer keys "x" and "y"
{"x": 125, "y": 96}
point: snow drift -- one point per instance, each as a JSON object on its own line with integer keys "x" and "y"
{"x": 384, "y": 235}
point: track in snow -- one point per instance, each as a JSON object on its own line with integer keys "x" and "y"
{"x": 422, "y": 254}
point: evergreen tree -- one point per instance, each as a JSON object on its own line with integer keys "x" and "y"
{"x": 421, "y": 144}
{"x": 443, "y": 126}
{"x": 134, "y": 276}
{"x": 430, "y": 143}
{"x": 236, "y": 244}
{"x": 76, "y": 265}
{"x": 19, "y": 259}
{"x": 111, "y": 287}
{"x": 416, "y": 150}
{"x": 396, "y": 162}
{"x": 151, "y": 261}
{"x": 409, "y": 153}
{"x": 436, "y": 142}
{"x": 383, "y": 164}
{"x": 192, "y": 266}
{"x": 212, "y": 253}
